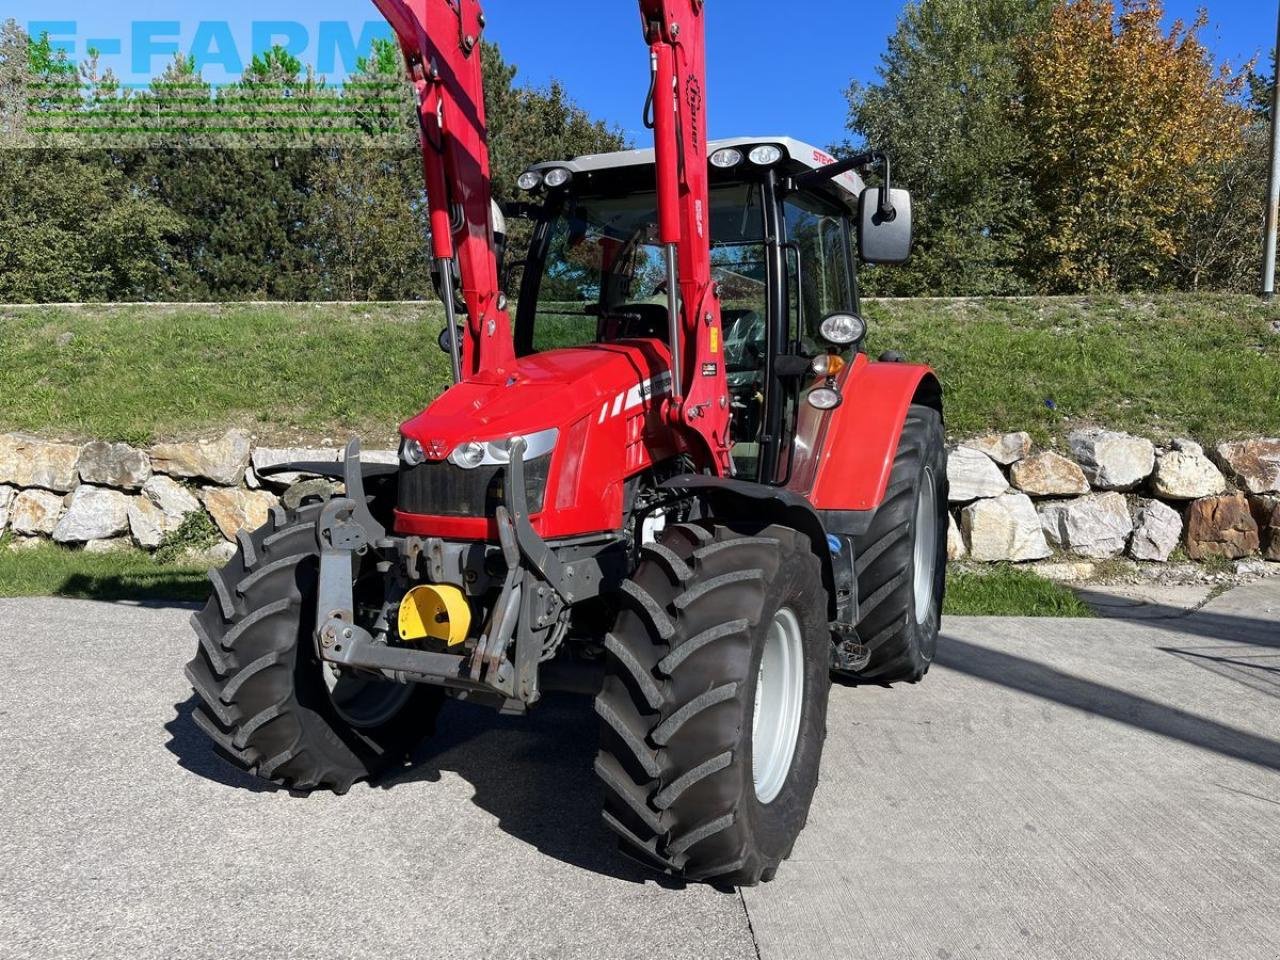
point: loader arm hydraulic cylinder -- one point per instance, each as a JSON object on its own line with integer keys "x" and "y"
{"x": 441, "y": 44}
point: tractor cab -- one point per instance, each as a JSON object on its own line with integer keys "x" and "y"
{"x": 782, "y": 254}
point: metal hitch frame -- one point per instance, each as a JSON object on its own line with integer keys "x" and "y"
{"x": 536, "y": 590}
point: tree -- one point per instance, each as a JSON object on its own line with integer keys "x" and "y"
{"x": 1125, "y": 124}
{"x": 278, "y": 187}
{"x": 1219, "y": 243}
{"x": 1262, "y": 90}
{"x": 946, "y": 108}
{"x": 72, "y": 228}
{"x": 14, "y": 82}
{"x": 529, "y": 124}
{"x": 365, "y": 213}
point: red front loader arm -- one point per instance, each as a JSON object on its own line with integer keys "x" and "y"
{"x": 441, "y": 44}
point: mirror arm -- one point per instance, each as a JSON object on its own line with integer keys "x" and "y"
{"x": 886, "y": 187}
{"x": 862, "y": 161}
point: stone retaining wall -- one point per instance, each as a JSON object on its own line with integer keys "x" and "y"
{"x": 1114, "y": 496}
{"x": 106, "y": 496}
{"x": 1111, "y": 496}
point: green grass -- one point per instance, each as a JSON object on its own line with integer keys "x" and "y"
{"x": 48, "y": 570}
{"x": 1206, "y": 366}
{"x": 1009, "y": 592}
{"x": 286, "y": 373}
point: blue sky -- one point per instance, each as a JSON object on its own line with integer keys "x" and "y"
{"x": 775, "y": 67}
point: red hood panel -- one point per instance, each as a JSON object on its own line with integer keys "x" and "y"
{"x": 610, "y": 424}
{"x": 554, "y": 389}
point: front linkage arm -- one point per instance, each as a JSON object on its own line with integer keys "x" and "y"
{"x": 345, "y": 532}
{"x": 537, "y": 587}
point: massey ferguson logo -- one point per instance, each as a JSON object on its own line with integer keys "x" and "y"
{"x": 693, "y": 94}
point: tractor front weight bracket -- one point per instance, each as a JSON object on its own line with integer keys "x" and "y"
{"x": 538, "y": 586}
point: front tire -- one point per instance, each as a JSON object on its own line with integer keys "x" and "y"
{"x": 267, "y": 702}
{"x": 714, "y": 704}
{"x": 902, "y": 559}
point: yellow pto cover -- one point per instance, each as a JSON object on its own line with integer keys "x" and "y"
{"x": 436, "y": 611}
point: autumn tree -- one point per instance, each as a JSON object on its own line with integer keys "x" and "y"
{"x": 1129, "y": 128}
{"x": 1220, "y": 243}
{"x": 946, "y": 108}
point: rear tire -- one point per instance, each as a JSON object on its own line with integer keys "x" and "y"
{"x": 902, "y": 559}
{"x": 265, "y": 698}
{"x": 697, "y": 781}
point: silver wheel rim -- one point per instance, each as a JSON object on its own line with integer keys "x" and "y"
{"x": 364, "y": 702}
{"x": 775, "y": 723}
{"x": 926, "y": 545}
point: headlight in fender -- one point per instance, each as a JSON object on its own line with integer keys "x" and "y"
{"x": 492, "y": 453}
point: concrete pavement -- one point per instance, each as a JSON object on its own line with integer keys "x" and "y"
{"x": 1106, "y": 788}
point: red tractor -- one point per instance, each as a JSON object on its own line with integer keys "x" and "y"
{"x": 670, "y": 475}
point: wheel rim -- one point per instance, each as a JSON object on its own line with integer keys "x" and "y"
{"x": 775, "y": 724}
{"x": 926, "y": 544}
{"x": 364, "y": 702}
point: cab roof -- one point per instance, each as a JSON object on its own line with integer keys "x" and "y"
{"x": 798, "y": 157}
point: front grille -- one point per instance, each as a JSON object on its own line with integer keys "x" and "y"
{"x": 442, "y": 489}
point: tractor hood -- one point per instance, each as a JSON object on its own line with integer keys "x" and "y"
{"x": 550, "y": 390}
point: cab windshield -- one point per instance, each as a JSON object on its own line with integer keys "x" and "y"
{"x": 605, "y": 272}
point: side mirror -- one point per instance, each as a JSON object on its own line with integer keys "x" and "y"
{"x": 446, "y": 341}
{"x": 884, "y": 226}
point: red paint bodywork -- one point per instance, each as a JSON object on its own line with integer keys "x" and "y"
{"x": 843, "y": 459}
{"x": 610, "y": 430}
{"x": 441, "y": 44}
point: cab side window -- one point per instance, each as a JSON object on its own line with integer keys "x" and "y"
{"x": 818, "y": 259}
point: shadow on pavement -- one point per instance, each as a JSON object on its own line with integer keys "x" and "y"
{"x": 532, "y": 773}
{"x": 1038, "y": 680}
{"x": 195, "y": 752}
{"x": 1257, "y": 671}
{"x": 1258, "y": 631}
{"x": 159, "y": 587}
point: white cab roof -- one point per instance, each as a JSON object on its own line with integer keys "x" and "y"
{"x": 804, "y": 154}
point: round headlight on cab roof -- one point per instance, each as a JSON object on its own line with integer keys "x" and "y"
{"x": 766, "y": 156}
{"x": 529, "y": 180}
{"x": 557, "y": 177}
{"x": 843, "y": 329}
{"x": 726, "y": 159}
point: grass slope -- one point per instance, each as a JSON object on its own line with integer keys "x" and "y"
{"x": 296, "y": 372}
{"x": 1207, "y": 366}
{"x": 1203, "y": 366}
